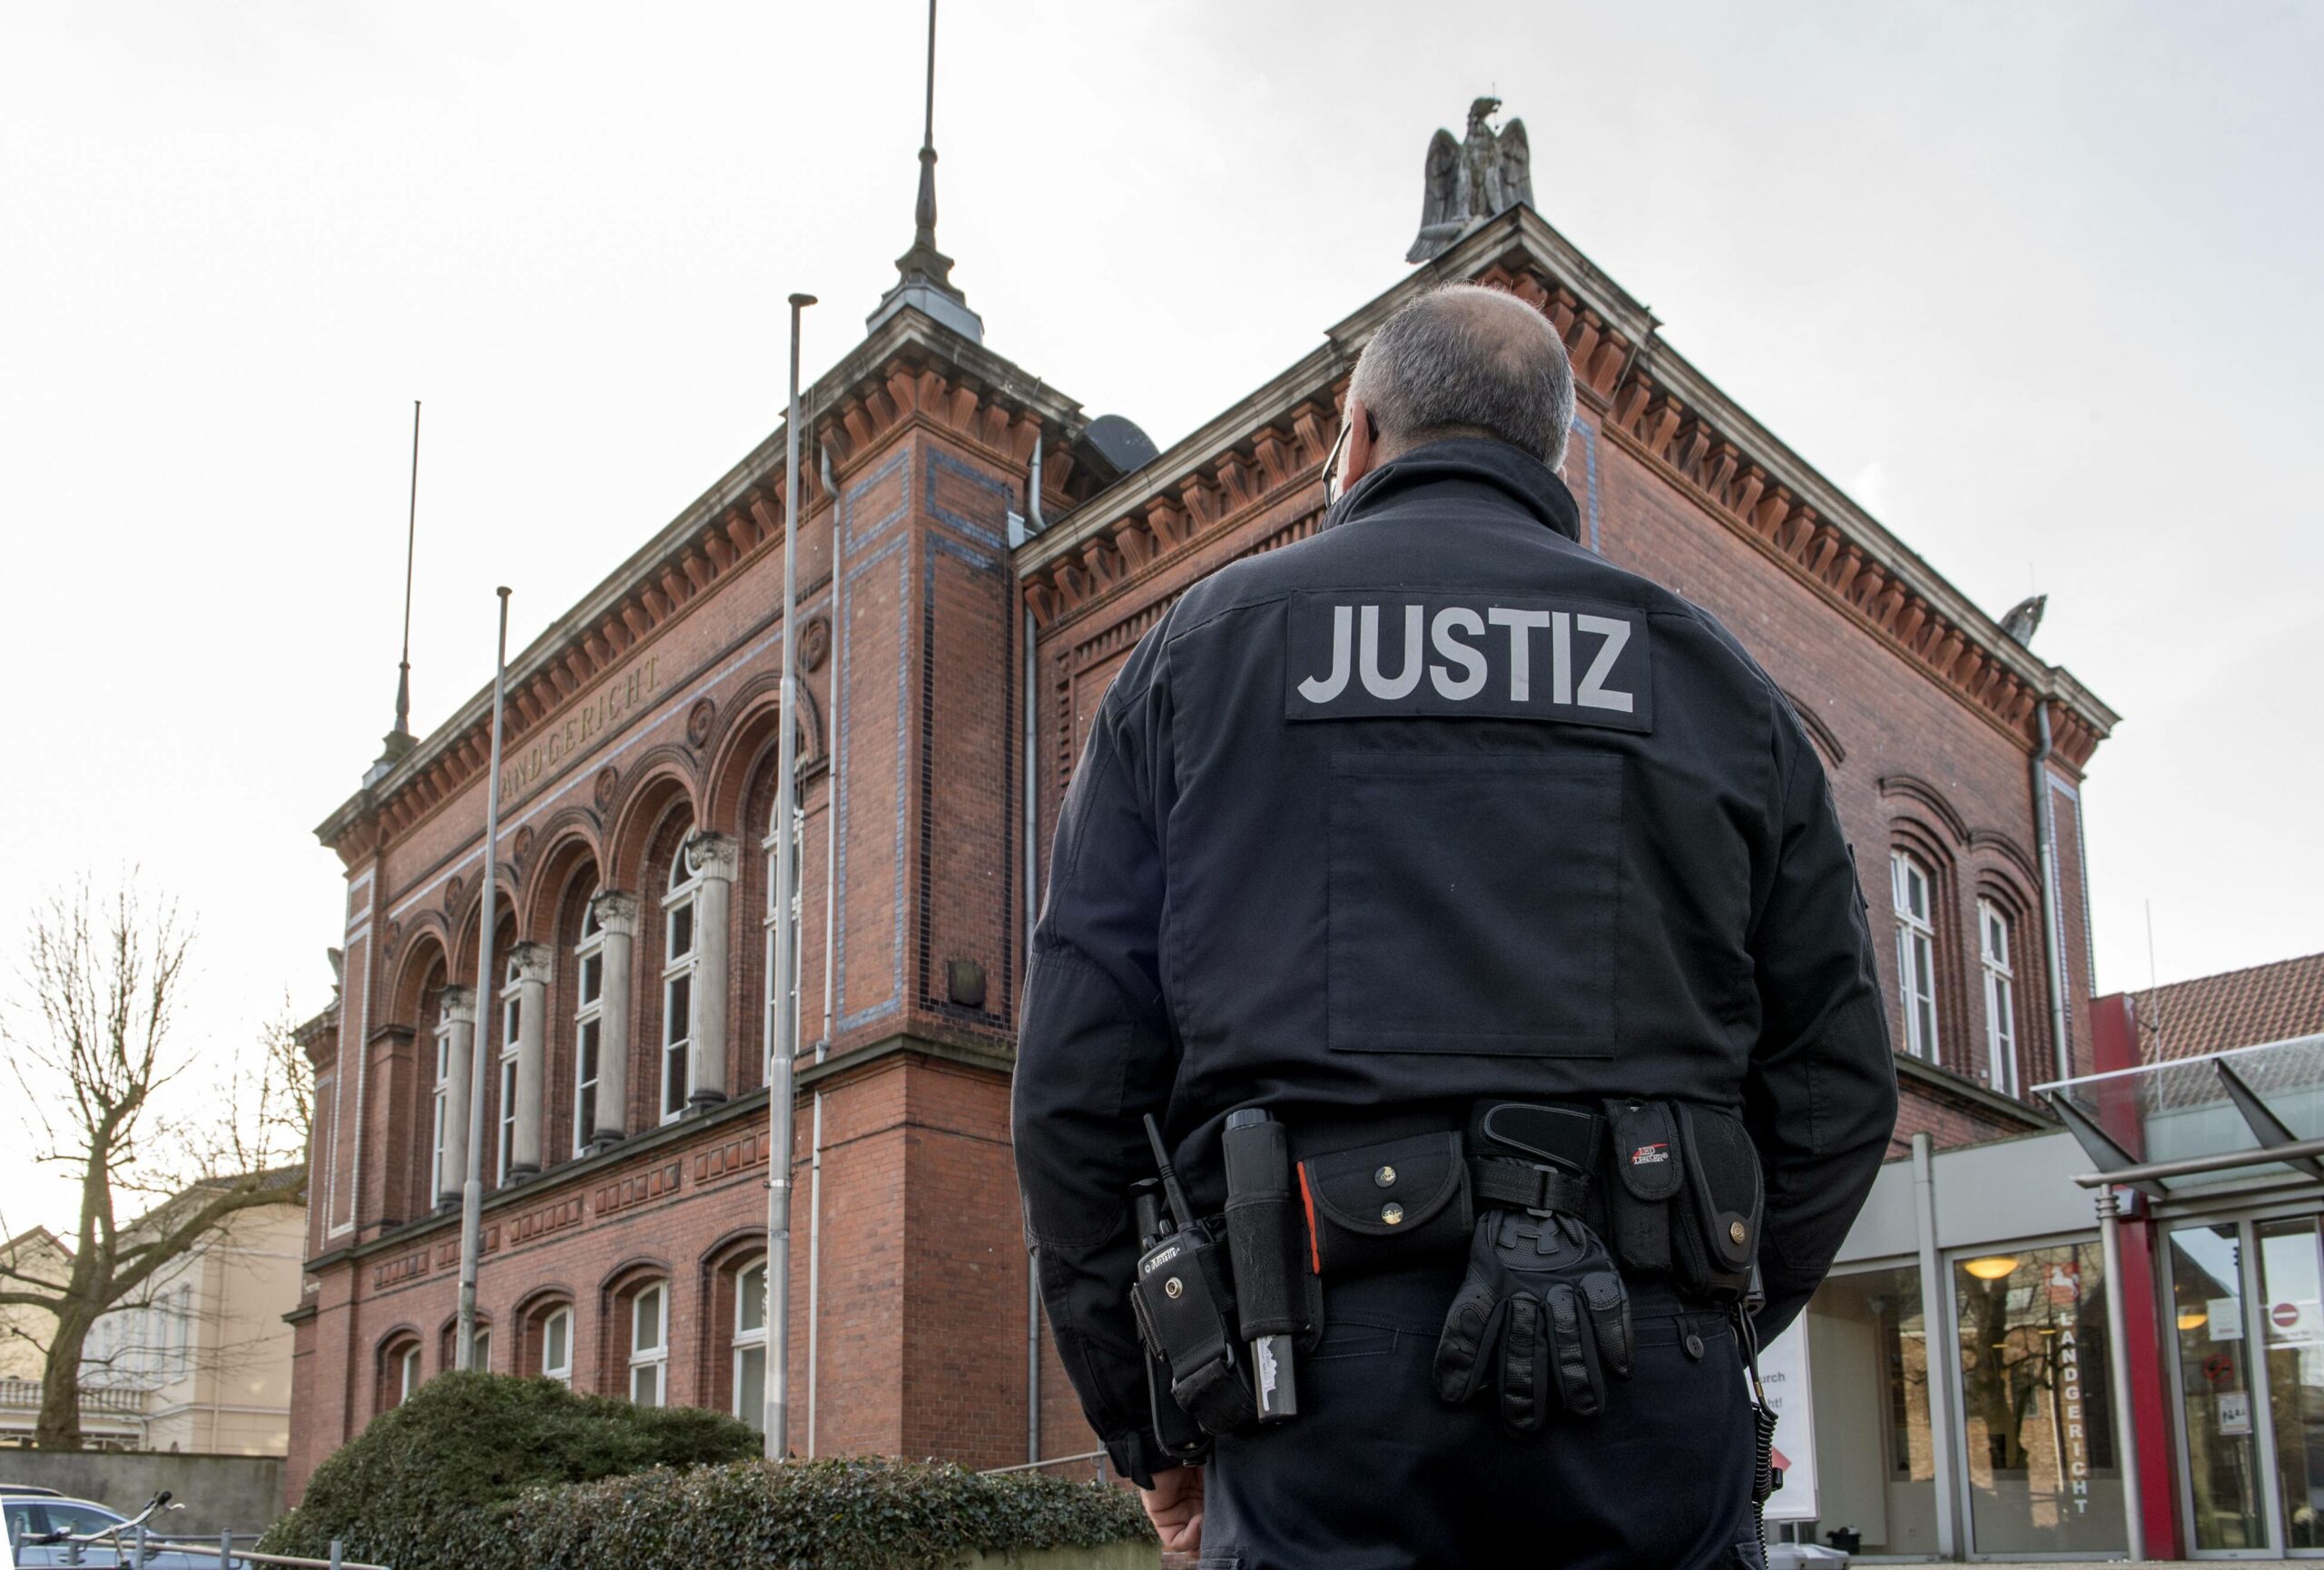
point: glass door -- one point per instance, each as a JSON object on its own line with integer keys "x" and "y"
{"x": 2038, "y": 1423}
{"x": 2217, "y": 1424}
{"x": 2292, "y": 1328}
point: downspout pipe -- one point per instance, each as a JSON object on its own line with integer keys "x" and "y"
{"x": 1032, "y": 909}
{"x": 2045, "y": 836}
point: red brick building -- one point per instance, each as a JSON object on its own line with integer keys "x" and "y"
{"x": 995, "y": 568}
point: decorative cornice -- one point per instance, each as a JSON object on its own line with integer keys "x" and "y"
{"x": 1649, "y": 399}
{"x": 910, "y": 369}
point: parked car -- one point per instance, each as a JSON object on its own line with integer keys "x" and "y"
{"x": 31, "y": 1516}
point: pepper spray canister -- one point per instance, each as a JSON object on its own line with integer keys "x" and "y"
{"x": 1263, "y": 1238}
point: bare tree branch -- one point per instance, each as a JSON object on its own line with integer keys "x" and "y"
{"x": 104, "y": 976}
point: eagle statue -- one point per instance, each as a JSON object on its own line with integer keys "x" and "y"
{"x": 1469, "y": 181}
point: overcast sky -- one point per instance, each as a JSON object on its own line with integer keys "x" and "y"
{"x": 2036, "y": 285}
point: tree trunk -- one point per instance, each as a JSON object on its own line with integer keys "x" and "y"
{"x": 58, "y": 1428}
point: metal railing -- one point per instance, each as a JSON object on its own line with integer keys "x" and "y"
{"x": 1099, "y": 1457}
{"x": 133, "y": 1544}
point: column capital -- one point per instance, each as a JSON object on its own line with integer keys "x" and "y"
{"x": 532, "y": 963}
{"x": 458, "y": 1004}
{"x": 616, "y": 912}
{"x": 714, "y": 855}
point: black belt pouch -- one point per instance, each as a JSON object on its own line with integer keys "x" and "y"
{"x": 1717, "y": 1235}
{"x": 1649, "y": 1174}
{"x": 1388, "y": 1207}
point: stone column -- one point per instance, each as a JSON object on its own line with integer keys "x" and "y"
{"x": 458, "y": 1005}
{"x": 716, "y": 860}
{"x": 532, "y": 964}
{"x": 617, "y": 915}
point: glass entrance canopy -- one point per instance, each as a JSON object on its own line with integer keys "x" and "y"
{"x": 2202, "y": 1110}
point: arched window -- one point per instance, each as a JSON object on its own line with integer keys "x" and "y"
{"x": 400, "y": 1375}
{"x": 1916, "y": 906}
{"x": 2000, "y": 995}
{"x": 441, "y": 1179}
{"x": 649, "y": 1345}
{"x": 588, "y": 1023}
{"x": 750, "y": 1346}
{"x": 677, "y": 985}
{"x": 480, "y": 1339}
{"x": 798, "y": 825}
{"x": 504, "y": 1143}
{"x": 556, "y": 1344}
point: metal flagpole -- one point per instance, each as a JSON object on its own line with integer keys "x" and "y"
{"x": 780, "y": 1070}
{"x": 411, "y": 540}
{"x": 487, "y": 1000}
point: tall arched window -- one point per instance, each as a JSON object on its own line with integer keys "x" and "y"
{"x": 750, "y": 1346}
{"x": 649, "y": 1346}
{"x": 1915, "y": 903}
{"x": 588, "y": 1022}
{"x": 2000, "y": 995}
{"x": 441, "y": 1180}
{"x": 798, "y": 825}
{"x": 503, "y": 1139}
{"x": 677, "y": 984}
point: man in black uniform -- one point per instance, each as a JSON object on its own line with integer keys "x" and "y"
{"x": 1434, "y": 815}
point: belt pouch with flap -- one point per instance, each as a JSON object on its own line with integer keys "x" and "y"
{"x": 1387, "y": 1206}
{"x": 1716, "y": 1235}
{"x": 1648, "y": 1175}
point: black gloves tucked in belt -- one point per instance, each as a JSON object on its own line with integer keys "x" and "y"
{"x": 1543, "y": 1310}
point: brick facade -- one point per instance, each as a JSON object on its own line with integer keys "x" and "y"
{"x": 648, "y": 717}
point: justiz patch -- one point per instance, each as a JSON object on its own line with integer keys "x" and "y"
{"x": 1359, "y": 654}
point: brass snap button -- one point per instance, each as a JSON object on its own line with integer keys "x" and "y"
{"x": 1735, "y": 1230}
{"x": 1173, "y": 1288}
{"x": 1393, "y": 1213}
{"x": 1386, "y": 1176}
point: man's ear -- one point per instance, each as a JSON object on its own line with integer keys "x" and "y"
{"x": 1362, "y": 446}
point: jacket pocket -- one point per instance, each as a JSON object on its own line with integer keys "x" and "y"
{"x": 1472, "y": 903}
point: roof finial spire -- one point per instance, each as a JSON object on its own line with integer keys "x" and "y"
{"x": 924, "y": 278}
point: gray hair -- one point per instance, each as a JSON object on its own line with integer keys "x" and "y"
{"x": 1467, "y": 360}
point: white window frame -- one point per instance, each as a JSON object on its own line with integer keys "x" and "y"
{"x": 750, "y": 1405}
{"x": 652, "y": 1361}
{"x": 1996, "y": 938}
{"x": 481, "y": 1353}
{"x": 438, "y": 1187}
{"x": 588, "y": 1023}
{"x": 184, "y": 1315}
{"x": 673, "y": 1066}
{"x": 1916, "y": 952}
{"x": 798, "y": 842}
{"x": 560, "y": 1370}
{"x": 408, "y": 1377}
{"x": 504, "y": 1134}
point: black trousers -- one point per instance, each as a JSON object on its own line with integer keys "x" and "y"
{"x": 1377, "y": 1473}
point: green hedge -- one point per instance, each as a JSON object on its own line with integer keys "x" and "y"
{"x": 851, "y": 1514}
{"x": 466, "y": 1441}
{"x": 484, "y": 1472}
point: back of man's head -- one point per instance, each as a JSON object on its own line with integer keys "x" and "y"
{"x": 1467, "y": 360}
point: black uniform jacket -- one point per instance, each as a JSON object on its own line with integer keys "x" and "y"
{"x": 1436, "y": 805}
